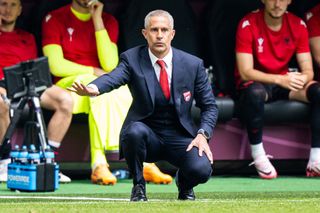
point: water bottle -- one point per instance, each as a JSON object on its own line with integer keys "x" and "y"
{"x": 14, "y": 154}
{"x": 41, "y": 154}
{"x": 34, "y": 155}
{"x": 121, "y": 174}
{"x": 49, "y": 155}
{"x": 23, "y": 155}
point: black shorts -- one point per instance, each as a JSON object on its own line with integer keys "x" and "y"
{"x": 2, "y": 84}
{"x": 274, "y": 92}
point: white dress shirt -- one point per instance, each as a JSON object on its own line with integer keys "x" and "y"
{"x": 168, "y": 63}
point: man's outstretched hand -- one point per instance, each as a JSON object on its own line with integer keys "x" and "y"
{"x": 83, "y": 90}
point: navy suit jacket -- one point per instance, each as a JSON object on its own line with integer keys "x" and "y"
{"x": 189, "y": 82}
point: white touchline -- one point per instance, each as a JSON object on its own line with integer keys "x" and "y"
{"x": 63, "y": 198}
{"x": 157, "y": 200}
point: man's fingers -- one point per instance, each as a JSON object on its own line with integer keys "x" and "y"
{"x": 297, "y": 83}
{"x": 200, "y": 151}
{"x": 83, "y": 87}
{"x": 293, "y": 89}
{"x": 79, "y": 86}
{"x": 92, "y": 2}
{"x": 77, "y": 83}
{"x": 189, "y": 147}
{"x": 71, "y": 89}
{"x": 209, "y": 155}
{"x": 296, "y": 87}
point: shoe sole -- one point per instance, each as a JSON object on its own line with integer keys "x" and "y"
{"x": 269, "y": 177}
{"x": 64, "y": 182}
{"x": 161, "y": 182}
{"x": 312, "y": 174}
{"x": 101, "y": 182}
{"x": 150, "y": 179}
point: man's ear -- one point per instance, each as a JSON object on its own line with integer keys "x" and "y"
{"x": 144, "y": 33}
{"x": 173, "y": 34}
{"x": 20, "y": 10}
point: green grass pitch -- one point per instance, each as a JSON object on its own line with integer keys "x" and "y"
{"x": 219, "y": 194}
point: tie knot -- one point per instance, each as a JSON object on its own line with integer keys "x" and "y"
{"x": 161, "y": 63}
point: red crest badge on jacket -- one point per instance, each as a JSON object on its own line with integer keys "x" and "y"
{"x": 187, "y": 96}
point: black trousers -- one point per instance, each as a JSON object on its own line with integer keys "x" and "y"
{"x": 141, "y": 144}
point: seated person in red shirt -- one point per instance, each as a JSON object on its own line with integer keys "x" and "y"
{"x": 17, "y": 45}
{"x": 313, "y": 23}
{"x": 265, "y": 42}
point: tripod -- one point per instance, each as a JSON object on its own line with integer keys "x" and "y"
{"x": 32, "y": 99}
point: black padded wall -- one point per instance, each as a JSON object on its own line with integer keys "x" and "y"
{"x": 132, "y": 22}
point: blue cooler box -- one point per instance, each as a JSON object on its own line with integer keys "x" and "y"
{"x": 41, "y": 177}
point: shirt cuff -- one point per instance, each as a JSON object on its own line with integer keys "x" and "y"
{"x": 94, "y": 87}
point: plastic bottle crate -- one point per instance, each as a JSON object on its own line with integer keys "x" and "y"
{"x": 33, "y": 177}
{"x": 31, "y": 170}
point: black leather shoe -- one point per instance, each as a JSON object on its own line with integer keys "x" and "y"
{"x": 184, "y": 194}
{"x": 138, "y": 193}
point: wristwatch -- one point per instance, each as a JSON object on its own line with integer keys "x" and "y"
{"x": 204, "y": 133}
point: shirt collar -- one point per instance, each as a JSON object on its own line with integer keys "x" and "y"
{"x": 81, "y": 16}
{"x": 167, "y": 59}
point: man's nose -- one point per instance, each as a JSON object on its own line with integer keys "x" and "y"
{"x": 7, "y": 9}
{"x": 277, "y": 3}
{"x": 159, "y": 34}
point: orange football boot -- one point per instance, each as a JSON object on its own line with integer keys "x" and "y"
{"x": 101, "y": 175}
{"x": 152, "y": 173}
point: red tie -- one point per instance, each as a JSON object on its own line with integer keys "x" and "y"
{"x": 164, "y": 79}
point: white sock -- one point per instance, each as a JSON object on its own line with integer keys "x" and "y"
{"x": 54, "y": 144}
{"x": 98, "y": 163}
{"x": 5, "y": 161}
{"x": 257, "y": 150}
{"x": 314, "y": 155}
{"x": 146, "y": 164}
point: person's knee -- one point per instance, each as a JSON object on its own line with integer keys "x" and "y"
{"x": 133, "y": 139}
{"x": 200, "y": 170}
{"x": 252, "y": 103}
{"x": 4, "y": 108}
{"x": 65, "y": 103}
{"x": 255, "y": 93}
{"x": 313, "y": 93}
{"x": 135, "y": 131}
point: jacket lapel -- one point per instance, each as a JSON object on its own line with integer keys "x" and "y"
{"x": 177, "y": 78}
{"x": 148, "y": 71}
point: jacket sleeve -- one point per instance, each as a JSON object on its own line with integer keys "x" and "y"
{"x": 116, "y": 78}
{"x": 205, "y": 100}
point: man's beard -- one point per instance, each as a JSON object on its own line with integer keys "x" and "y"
{"x": 275, "y": 17}
{"x": 7, "y": 23}
{"x": 81, "y": 4}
